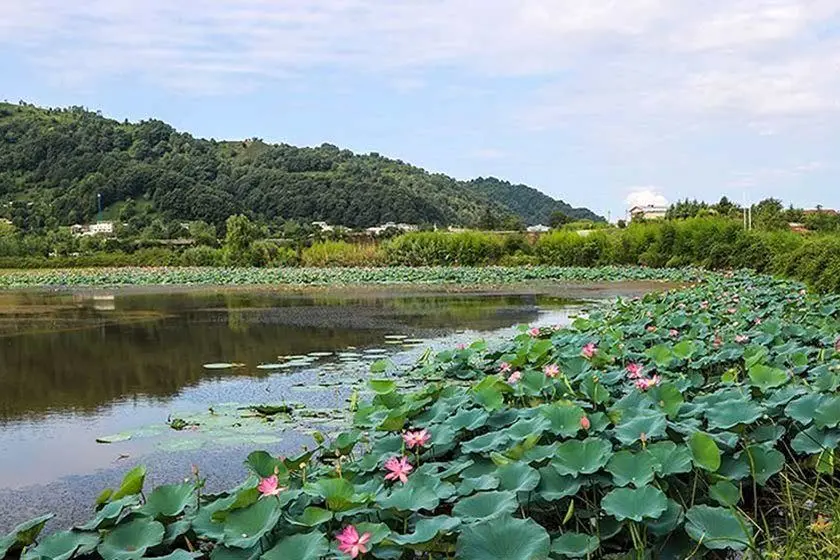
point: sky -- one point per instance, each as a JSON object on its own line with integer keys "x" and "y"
{"x": 602, "y": 103}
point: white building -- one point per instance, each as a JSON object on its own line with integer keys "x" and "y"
{"x": 648, "y": 212}
{"x": 99, "y": 228}
{"x": 323, "y": 226}
{"x": 376, "y": 230}
{"x": 539, "y": 228}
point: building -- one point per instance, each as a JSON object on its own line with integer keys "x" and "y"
{"x": 827, "y": 211}
{"x": 99, "y": 228}
{"x": 649, "y": 212}
{"x": 539, "y": 228}
{"x": 377, "y": 230}
{"x": 323, "y": 226}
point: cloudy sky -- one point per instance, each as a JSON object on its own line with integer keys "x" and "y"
{"x": 600, "y": 103}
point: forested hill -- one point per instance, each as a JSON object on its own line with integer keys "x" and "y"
{"x": 54, "y": 163}
{"x": 533, "y": 206}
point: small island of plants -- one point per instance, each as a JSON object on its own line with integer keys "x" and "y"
{"x": 696, "y": 423}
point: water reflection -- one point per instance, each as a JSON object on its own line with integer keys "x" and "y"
{"x": 63, "y": 353}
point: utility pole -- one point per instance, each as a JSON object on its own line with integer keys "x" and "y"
{"x": 99, "y": 202}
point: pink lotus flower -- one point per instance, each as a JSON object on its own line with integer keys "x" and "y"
{"x": 645, "y": 383}
{"x": 551, "y": 370}
{"x": 741, "y": 338}
{"x": 758, "y": 320}
{"x": 673, "y": 333}
{"x": 635, "y": 371}
{"x": 417, "y": 438}
{"x": 514, "y": 377}
{"x": 349, "y": 541}
{"x": 584, "y": 423}
{"x": 718, "y": 341}
{"x": 534, "y": 331}
{"x": 270, "y": 486}
{"x": 461, "y": 346}
{"x": 504, "y": 367}
{"x": 589, "y": 350}
{"x": 398, "y": 469}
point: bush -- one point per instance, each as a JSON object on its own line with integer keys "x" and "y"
{"x": 202, "y": 256}
{"x": 341, "y": 253}
{"x": 443, "y": 248}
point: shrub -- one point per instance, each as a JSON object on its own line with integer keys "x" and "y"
{"x": 341, "y": 253}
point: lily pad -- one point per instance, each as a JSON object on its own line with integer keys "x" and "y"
{"x": 132, "y": 540}
{"x": 575, "y": 545}
{"x": 636, "y": 504}
{"x": 718, "y": 528}
{"x": 504, "y": 538}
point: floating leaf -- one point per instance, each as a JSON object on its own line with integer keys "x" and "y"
{"x": 575, "y": 545}
{"x": 504, "y": 538}
{"x": 635, "y": 504}
{"x": 718, "y": 528}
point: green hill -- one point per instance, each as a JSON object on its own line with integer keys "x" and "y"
{"x": 54, "y": 163}
{"x": 533, "y": 206}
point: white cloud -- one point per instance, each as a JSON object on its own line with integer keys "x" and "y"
{"x": 645, "y": 196}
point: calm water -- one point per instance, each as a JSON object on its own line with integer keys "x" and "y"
{"x": 76, "y": 367}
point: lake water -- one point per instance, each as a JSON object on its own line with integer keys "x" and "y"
{"x": 116, "y": 366}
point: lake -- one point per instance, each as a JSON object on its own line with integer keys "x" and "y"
{"x": 129, "y": 366}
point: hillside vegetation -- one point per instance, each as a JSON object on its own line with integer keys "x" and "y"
{"x": 54, "y": 163}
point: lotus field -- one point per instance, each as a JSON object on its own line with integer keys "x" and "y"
{"x": 670, "y": 426}
{"x": 108, "y": 277}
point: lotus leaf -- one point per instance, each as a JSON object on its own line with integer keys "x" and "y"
{"x": 576, "y": 457}
{"x": 24, "y": 534}
{"x": 766, "y": 377}
{"x": 169, "y": 500}
{"x": 647, "y": 424}
{"x": 426, "y": 529}
{"x": 764, "y": 462}
{"x": 485, "y": 505}
{"x": 64, "y": 545}
{"x": 305, "y": 546}
{"x": 575, "y": 545}
{"x": 670, "y": 458}
{"x": 718, "y": 528}
{"x": 132, "y": 540}
{"x": 704, "y": 451}
{"x": 725, "y": 493}
{"x": 636, "y": 504}
{"x": 632, "y": 468}
{"x": 504, "y": 538}
{"x": 245, "y": 527}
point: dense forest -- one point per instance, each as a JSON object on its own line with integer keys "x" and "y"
{"x": 527, "y": 202}
{"x": 54, "y": 163}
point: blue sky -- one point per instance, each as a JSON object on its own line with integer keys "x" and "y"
{"x": 601, "y": 103}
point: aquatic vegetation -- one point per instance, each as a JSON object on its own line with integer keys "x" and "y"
{"x": 579, "y": 464}
{"x": 10, "y": 279}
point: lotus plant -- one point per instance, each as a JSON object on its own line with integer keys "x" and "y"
{"x": 418, "y": 438}
{"x": 351, "y": 543}
{"x": 514, "y": 377}
{"x": 534, "y": 331}
{"x": 646, "y": 383}
{"x": 504, "y": 367}
{"x": 589, "y": 350}
{"x": 634, "y": 371}
{"x": 270, "y": 486}
{"x": 398, "y": 469}
{"x": 585, "y": 423}
{"x": 551, "y": 370}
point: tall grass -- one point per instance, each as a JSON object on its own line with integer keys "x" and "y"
{"x": 341, "y": 253}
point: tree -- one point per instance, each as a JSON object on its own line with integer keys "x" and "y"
{"x": 769, "y": 215}
{"x": 559, "y": 219}
{"x": 203, "y": 233}
{"x": 240, "y": 234}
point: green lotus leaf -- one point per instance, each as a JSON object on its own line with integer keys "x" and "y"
{"x": 176, "y": 529}
{"x": 419, "y": 493}
{"x": 730, "y": 413}
{"x": 670, "y": 458}
{"x": 636, "y": 504}
{"x": 24, "y": 534}
{"x": 576, "y": 457}
{"x": 483, "y": 482}
{"x": 768, "y": 433}
{"x": 668, "y": 522}
{"x": 169, "y": 500}
{"x": 131, "y": 540}
{"x": 734, "y": 467}
{"x": 564, "y": 418}
{"x": 766, "y": 377}
{"x": 813, "y": 440}
{"x": 64, "y": 545}
{"x": 704, "y": 451}
{"x": 518, "y": 477}
{"x": 177, "y": 555}
{"x": 802, "y": 409}
{"x": 426, "y": 529}
{"x": 553, "y": 486}
{"x": 504, "y": 538}
{"x": 469, "y": 419}
{"x": 669, "y": 397}
{"x": 312, "y": 517}
{"x": 264, "y": 465}
{"x": 827, "y": 414}
{"x": 647, "y": 424}
{"x": 492, "y": 441}
{"x": 338, "y": 493}
{"x": 226, "y": 553}
{"x": 725, "y": 493}
{"x": 245, "y": 527}
{"x": 382, "y": 386}
{"x": 485, "y": 505}
{"x": 527, "y": 427}
{"x": 306, "y": 546}
{"x": 378, "y": 531}
{"x": 632, "y": 468}
{"x": 718, "y": 528}
{"x": 575, "y": 545}
{"x": 764, "y": 462}
{"x": 132, "y": 483}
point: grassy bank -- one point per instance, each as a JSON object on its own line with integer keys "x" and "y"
{"x": 711, "y": 243}
{"x": 682, "y": 424}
